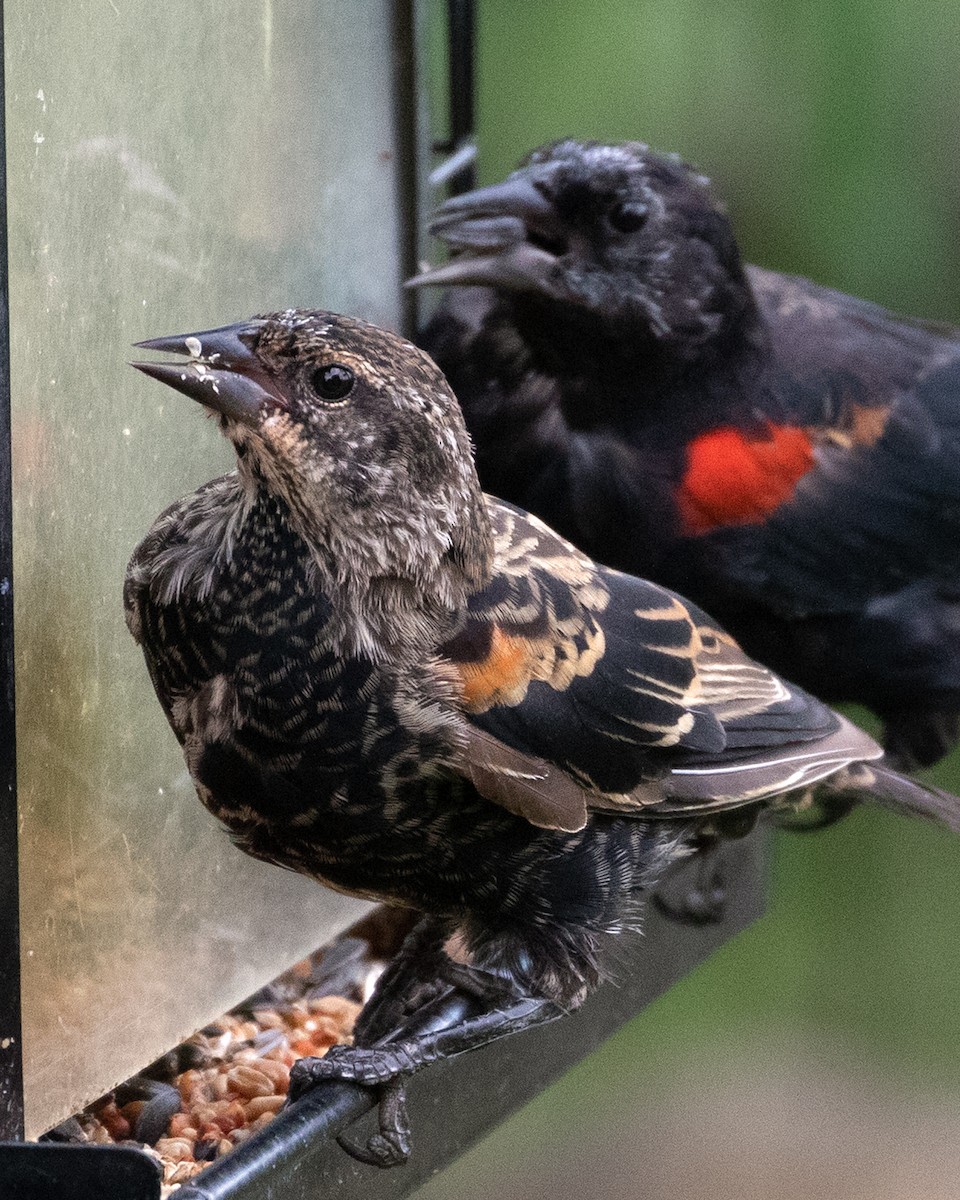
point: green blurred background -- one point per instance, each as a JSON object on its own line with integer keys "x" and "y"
{"x": 819, "y": 1053}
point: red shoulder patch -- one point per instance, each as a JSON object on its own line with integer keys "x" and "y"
{"x": 732, "y": 478}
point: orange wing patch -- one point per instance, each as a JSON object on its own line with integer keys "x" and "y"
{"x": 506, "y": 668}
{"x": 734, "y": 479}
{"x": 502, "y": 666}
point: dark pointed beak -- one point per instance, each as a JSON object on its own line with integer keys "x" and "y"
{"x": 222, "y": 371}
{"x": 522, "y": 195}
{"x": 508, "y": 235}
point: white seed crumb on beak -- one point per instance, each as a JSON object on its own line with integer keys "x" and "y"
{"x": 194, "y": 348}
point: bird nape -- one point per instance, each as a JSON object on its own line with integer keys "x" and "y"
{"x": 786, "y": 455}
{"x": 392, "y": 683}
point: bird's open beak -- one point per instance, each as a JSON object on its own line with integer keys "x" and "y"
{"x": 223, "y": 371}
{"x": 507, "y": 236}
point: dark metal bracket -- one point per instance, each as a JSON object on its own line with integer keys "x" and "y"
{"x": 47, "y": 1172}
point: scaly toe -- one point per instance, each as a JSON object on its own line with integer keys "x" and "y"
{"x": 382, "y": 1150}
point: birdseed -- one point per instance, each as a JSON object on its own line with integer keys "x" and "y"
{"x": 230, "y": 1079}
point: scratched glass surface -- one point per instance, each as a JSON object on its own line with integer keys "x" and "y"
{"x": 171, "y": 168}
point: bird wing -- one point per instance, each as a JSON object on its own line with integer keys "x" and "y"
{"x": 586, "y": 689}
{"x": 877, "y": 509}
{"x": 819, "y": 334}
{"x": 853, "y": 488}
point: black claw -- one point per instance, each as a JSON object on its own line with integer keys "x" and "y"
{"x": 306, "y": 1073}
{"x": 380, "y": 1151}
{"x": 390, "y": 1146}
{"x": 353, "y": 1064}
{"x": 452, "y": 1030}
{"x": 302, "y": 1078}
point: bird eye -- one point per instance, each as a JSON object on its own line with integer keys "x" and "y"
{"x": 628, "y": 217}
{"x": 332, "y": 382}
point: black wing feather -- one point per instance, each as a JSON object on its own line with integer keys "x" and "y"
{"x": 671, "y": 718}
{"x": 890, "y": 513}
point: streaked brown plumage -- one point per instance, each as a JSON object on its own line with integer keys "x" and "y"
{"x": 387, "y": 681}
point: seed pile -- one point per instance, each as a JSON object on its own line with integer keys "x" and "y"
{"x": 226, "y": 1082}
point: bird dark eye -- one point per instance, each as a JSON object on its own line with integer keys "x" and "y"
{"x": 628, "y": 217}
{"x": 332, "y": 382}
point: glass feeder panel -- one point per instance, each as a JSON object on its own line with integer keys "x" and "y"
{"x": 171, "y": 167}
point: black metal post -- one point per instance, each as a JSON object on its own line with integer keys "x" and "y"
{"x": 461, "y": 83}
{"x": 458, "y": 170}
{"x": 405, "y": 137}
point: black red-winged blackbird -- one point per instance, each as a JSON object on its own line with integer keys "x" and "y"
{"x": 786, "y": 455}
{"x": 385, "y": 680}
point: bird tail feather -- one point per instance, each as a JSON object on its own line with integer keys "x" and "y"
{"x": 881, "y": 784}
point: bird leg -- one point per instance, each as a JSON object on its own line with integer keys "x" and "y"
{"x": 705, "y": 902}
{"x": 411, "y": 979}
{"x": 390, "y": 1145}
{"x": 421, "y": 971}
{"x": 459, "y": 1008}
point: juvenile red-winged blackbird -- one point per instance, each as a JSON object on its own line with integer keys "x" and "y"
{"x": 786, "y": 455}
{"x": 387, "y": 681}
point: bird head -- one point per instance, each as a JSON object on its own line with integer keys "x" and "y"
{"x": 356, "y": 433}
{"x": 619, "y": 232}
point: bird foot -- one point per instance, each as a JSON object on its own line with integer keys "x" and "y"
{"x": 352, "y": 1064}
{"x": 706, "y": 902}
{"x": 827, "y": 811}
{"x": 387, "y": 1148}
{"x": 388, "y": 1066}
{"x": 383, "y": 1069}
{"x": 915, "y": 739}
{"x": 423, "y": 972}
